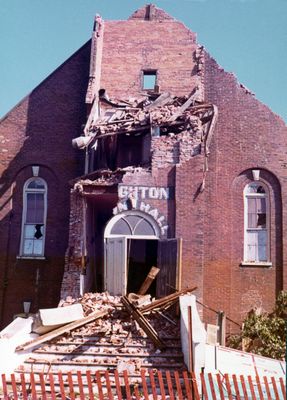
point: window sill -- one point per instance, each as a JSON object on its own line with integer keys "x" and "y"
{"x": 31, "y": 258}
{"x": 262, "y": 264}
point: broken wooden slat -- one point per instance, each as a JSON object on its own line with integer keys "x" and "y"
{"x": 43, "y": 387}
{"x": 4, "y": 387}
{"x": 80, "y": 385}
{"x": 108, "y": 385}
{"x": 195, "y": 386}
{"x": 144, "y": 385}
{"x": 162, "y": 100}
{"x": 243, "y": 387}
{"x": 14, "y": 387}
{"x": 275, "y": 388}
{"x": 61, "y": 384}
{"x": 228, "y": 387}
{"x": 118, "y": 385}
{"x": 90, "y": 385}
{"x": 259, "y": 388}
{"x": 159, "y": 303}
{"x": 283, "y": 389}
{"x": 236, "y": 387}
{"x": 100, "y": 387}
{"x": 161, "y": 385}
{"x": 153, "y": 385}
{"x": 187, "y": 386}
{"x": 267, "y": 387}
{"x": 127, "y": 385}
{"x": 61, "y": 330}
{"x": 211, "y": 385}
{"x": 33, "y": 386}
{"x": 251, "y": 387}
{"x": 52, "y": 386}
{"x": 169, "y": 385}
{"x": 23, "y": 386}
{"x": 178, "y": 385}
{"x": 144, "y": 324}
{"x": 148, "y": 280}
{"x": 203, "y": 385}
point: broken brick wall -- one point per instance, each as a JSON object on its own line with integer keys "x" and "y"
{"x": 247, "y": 136}
{"x": 38, "y": 131}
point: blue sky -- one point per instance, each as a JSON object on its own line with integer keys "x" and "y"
{"x": 247, "y": 37}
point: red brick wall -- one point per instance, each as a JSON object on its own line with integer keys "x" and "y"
{"x": 38, "y": 131}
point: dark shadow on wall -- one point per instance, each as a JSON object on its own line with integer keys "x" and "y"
{"x": 40, "y": 130}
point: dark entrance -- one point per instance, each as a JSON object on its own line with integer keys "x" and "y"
{"x": 141, "y": 256}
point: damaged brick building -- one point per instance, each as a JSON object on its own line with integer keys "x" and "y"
{"x": 178, "y": 166}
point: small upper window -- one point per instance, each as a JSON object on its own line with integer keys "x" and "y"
{"x": 34, "y": 218}
{"x": 256, "y": 237}
{"x": 149, "y": 79}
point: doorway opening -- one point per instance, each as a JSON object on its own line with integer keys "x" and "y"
{"x": 141, "y": 256}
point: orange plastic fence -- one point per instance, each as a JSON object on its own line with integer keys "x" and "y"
{"x": 151, "y": 384}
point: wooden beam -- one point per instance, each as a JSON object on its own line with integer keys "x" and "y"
{"x": 148, "y": 280}
{"x": 143, "y": 323}
{"x": 61, "y": 330}
{"x": 171, "y": 298}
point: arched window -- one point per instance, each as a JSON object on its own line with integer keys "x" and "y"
{"x": 256, "y": 223}
{"x": 34, "y": 218}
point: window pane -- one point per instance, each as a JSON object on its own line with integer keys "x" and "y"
{"x": 38, "y": 247}
{"x": 256, "y": 246}
{"x": 262, "y": 245}
{"x": 29, "y": 231}
{"x": 28, "y": 246}
{"x": 35, "y": 208}
{"x": 36, "y": 184}
{"x": 149, "y": 80}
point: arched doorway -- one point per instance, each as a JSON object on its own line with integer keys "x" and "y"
{"x": 133, "y": 244}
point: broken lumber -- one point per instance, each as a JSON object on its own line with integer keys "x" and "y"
{"x": 148, "y": 280}
{"x": 143, "y": 323}
{"x": 167, "y": 300}
{"x": 63, "y": 329}
{"x": 187, "y": 104}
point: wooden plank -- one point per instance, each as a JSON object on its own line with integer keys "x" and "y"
{"x": 195, "y": 387}
{"x": 80, "y": 385}
{"x": 187, "y": 386}
{"x": 4, "y": 387}
{"x": 153, "y": 385}
{"x": 33, "y": 386}
{"x": 228, "y": 387}
{"x": 43, "y": 387}
{"x": 118, "y": 385}
{"x": 178, "y": 386}
{"x": 162, "y": 100}
{"x": 99, "y": 384}
{"x": 23, "y": 387}
{"x": 267, "y": 388}
{"x": 61, "y": 384}
{"x": 259, "y": 388}
{"x": 127, "y": 385}
{"x": 275, "y": 388}
{"x": 64, "y": 329}
{"x": 108, "y": 385}
{"x": 243, "y": 387}
{"x": 159, "y": 303}
{"x": 203, "y": 385}
{"x": 169, "y": 385}
{"x": 144, "y": 324}
{"x": 236, "y": 387}
{"x": 282, "y": 385}
{"x": 251, "y": 387}
{"x": 52, "y": 386}
{"x": 144, "y": 385}
{"x": 14, "y": 387}
{"x": 148, "y": 280}
{"x": 71, "y": 386}
{"x": 185, "y": 105}
{"x": 90, "y": 385}
{"x": 211, "y": 385}
{"x": 161, "y": 385}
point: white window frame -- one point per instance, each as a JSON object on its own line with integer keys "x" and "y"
{"x": 26, "y": 191}
{"x": 247, "y": 196}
